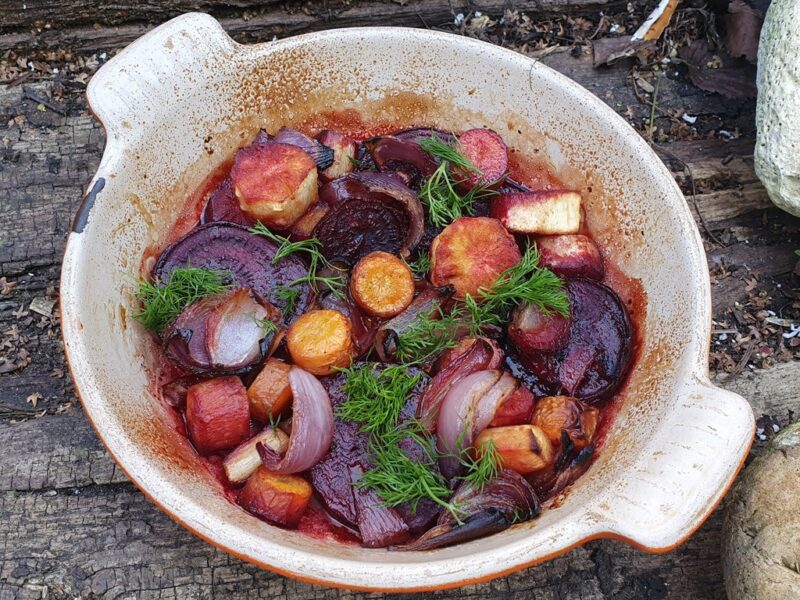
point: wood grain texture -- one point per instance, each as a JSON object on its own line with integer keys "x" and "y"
{"x": 128, "y": 20}
{"x": 71, "y": 525}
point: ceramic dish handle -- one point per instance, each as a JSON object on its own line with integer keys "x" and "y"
{"x": 147, "y": 81}
{"x": 699, "y": 451}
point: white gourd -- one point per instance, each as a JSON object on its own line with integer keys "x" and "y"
{"x": 777, "y": 152}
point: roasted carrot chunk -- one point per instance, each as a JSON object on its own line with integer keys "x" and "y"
{"x": 275, "y": 183}
{"x": 269, "y": 393}
{"x": 522, "y": 448}
{"x": 471, "y": 253}
{"x": 382, "y": 284}
{"x": 279, "y": 499}
{"x": 320, "y": 341}
{"x": 217, "y": 415}
{"x": 554, "y": 414}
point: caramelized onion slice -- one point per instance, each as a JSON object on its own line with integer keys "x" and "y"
{"x": 322, "y": 155}
{"x": 483, "y": 354}
{"x": 467, "y": 410}
{"x": 506, "y": 499}
{"x": 312, "y": 426}
{"x": 406, "y": 157}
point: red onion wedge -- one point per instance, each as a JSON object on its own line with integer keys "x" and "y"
{"x": 467, "y": 410}
{"x": 312, "y": 426}
{"x": 322, "y": 155}
{"x": 222, "y": 334}
{"x": 483, "y": 354}
{"x": 505, "y": 500}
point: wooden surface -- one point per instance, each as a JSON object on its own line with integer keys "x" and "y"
{"x": 71, "y": 525}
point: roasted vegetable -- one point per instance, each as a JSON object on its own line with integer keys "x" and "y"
{"x": 244, "y": 459}
{"x": 248, "y": 258}
{"x": 471, "y": 253}
{"x": 571, "y": 256}
{"x": 275, "y": 183}
{"x": 522, "y": 448}
{"x": 279, "y": 499}
{"x": 344, "y": 153}
{"x": 516, "y": 410}
{"x": 557, "y": 414}
{"x": 382, "y": 284}
{"x": 319, "y": 152}
{"x": 531, "y": 330}
{"x": 321, "y": 340}
{"x": 369, "y": 211}
{"x": 542, "y": 212}
{"x": 223, "y": 334}
{"x": 217, "y": 415}
{"x": 488, "y": 153}
{"x": 270, "y": 392}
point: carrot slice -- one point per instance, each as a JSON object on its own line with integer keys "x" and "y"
{"x": 321, "y": 340}
{"x": 382, "y": 284}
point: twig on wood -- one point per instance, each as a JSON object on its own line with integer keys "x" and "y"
{"x": 43, "y": 100}
{"x": 742, "y": 362}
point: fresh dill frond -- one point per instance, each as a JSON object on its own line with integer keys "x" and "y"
{"x": 376, "y": 397}
{"x": 524, "y": 283}
{"x": 421, "y": 265}
{"x": 484, "y": 468}
{"x": 274, "y": 422}
{"x": 267, "y": 326}
{"x": 288, "y": 295}
{"x": 396, "y": 478}
{"x": 440, "y": 192}
{"x": 354, "y": 161}
{"x": 431, "y": 333}
{"x": 162, "y": 302}
{"x": 316, "y": 260}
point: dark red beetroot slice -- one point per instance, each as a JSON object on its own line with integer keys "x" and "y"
{"x": 369, "y": 211}
{"x": 595, "y": 359}
{"x": 487, "y": 152}
{"x": 223, "y": 205}
{"x": 232, "y": 248}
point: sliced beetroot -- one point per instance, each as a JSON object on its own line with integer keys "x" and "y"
{"x": 247, "y": 257}
{"x": 487, "y": 152}
{"x": 379, "y": 525}
{"x": 369, "y": 211}
{"x": 596, "y": 357}
{"x": 222, "y": 205}
{"x": 322, "y": 154}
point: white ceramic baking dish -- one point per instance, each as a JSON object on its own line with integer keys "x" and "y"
{"x": 180, "y": 100}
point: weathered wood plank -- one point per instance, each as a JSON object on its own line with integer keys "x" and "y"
{"x": 260, "y": 25}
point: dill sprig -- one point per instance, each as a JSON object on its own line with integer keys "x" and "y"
{"x": 440, "y": 193}
{"x": 396, "y": 478}
{"x": 267, "y": 326}
{"x": 288, "y": 295}
{"x": 421, "y": 265}
{"x": 524, "y": 283}
{"x": 484, "y": 468}
{"x": 429, "y": 334}
{"x": 376, "y": 397}
{"x": 162, "y": 302}
{"x": 311, "y": 248}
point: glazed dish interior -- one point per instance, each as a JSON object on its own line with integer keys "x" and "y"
{"x": 194, "y": 120}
